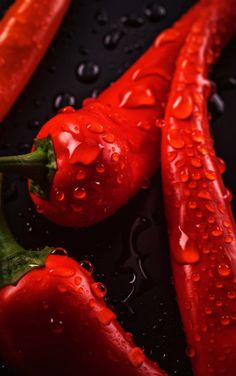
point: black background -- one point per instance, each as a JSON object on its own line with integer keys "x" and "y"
{"x": 137, "y": 233}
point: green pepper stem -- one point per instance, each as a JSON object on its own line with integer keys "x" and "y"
{"x": 15, "y": 261}
{"x": 32, "y": 165}
{"x": 38, "y": 166}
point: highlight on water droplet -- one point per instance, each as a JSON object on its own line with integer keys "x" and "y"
{"x": 95, "y": 127}
{"x": 59, "y": 251}
{"x": 85, "y": 153}
{"x": 80, "y": 193}
{"x": 182, "y": 107}
{"x": 187, "y": 252}
{"x": 144, "y": 125}
{"x": 224, "y": 270}
{"x": 98, "y": 289}
{"x": 87, "y": 265}
{"x": 139, "y": 96}
{"x": 56, "y": 325}
{"x": 60, "y": 196}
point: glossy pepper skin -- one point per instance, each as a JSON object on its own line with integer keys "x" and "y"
{"x": 54, "y": 321}
{"x": 26, "y": 31}
{"x": 106, "y": 151}
{"x": 200, "y": 221}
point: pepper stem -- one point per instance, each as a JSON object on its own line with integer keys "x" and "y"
{"x": 15, "y": 261}
{"x": 38, "y": 166}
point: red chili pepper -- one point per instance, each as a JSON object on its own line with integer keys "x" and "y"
{"x": 96, "y": 158}
{"x": 54, "y": 321}
{"x": 200, "y": 222}
{"x": 26, "y": 31}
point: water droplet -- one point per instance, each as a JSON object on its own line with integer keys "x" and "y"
{"x": 196, "y": 277}
{"x": 98, "y": 289}
{"x": 78, "y": 280}
{"x": 182, "y": 107}
{"x": 63, "y": 101}
{"x": 196, "y": 176}
{"x": 100, "y": 168}
{"x": 160, "y": 123}
{"x": 208, "y": 310}
{"x": 59, "y": 251}
{"x": 132, "y": 20}
{"x": 202, "y": 149}
{"x": 196, "y": 162}
{"x": 56, "y": 326}
{"x": 112, "y": 38}
{"x": 136, "y": 357}
{"x": 204, "y": 194}
{"x": 80, "y": 193}
{"x": 231, "y": 294}
{"x": 109, "y": 137}
{"x": 187, "y": 305}
{"x": 101, "y": 17}
{"x": 62, "y": 271}
{"x": 60, "y": 196}
{"x": 144, "y": 125}
{"x": 95, "y": 128}
{"x": 175, "y": 140}
{"x": 87, "y": 265}
{"x": 224, "y": 270}
{"x": 217, "y": 232}
{"x": 192, "y": 204}
{"x": 139, "y": 96}
{"x": 225, "y": 320}
{"x": 85, "y": 153}
{"x": 88, "y": 72}
{"x": 106, "y": 316}
{"x": 115, "y": 157}
{"x": 228, "y": 239}
{"x": 197, "y": 136}
{"x": 155, "y": 12}
{"x": 187, "y": 252}
{"x": 210, "y": 175}
{"x": 183, "y": 175}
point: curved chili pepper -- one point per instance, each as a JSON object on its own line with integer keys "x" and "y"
{"x": 26, "y": 31}
{"x": 200, "y": 221}
{"x": 88, "y": 163}
{"x": 54, "y": 321}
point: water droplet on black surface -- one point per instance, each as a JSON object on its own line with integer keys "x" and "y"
{"x": 101, "y": 17}
{"x": 88, "y": 72}
{"x": 64, "y": 100}
{"x": 83, "y": 51}
{"x": 155, "y": 12}
{"x": 216, "y": 106}
{"x": 112, "y": 38}
{"x": 132, "y": 20}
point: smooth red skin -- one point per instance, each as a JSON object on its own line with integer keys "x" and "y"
{"x": 205, "y": 308}
{"x": 26, "y": 31}
{"x": 84, "y": 347}
{"x": 139, "y": 149}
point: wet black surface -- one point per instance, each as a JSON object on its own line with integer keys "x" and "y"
{"x": 129, "y": 250}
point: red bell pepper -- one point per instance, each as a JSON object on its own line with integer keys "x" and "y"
{"x": 54, "y": 321}
{"x": 88, "y": 163}
{"x": 26, "y": 31}
{"x": 200, "y": 221}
